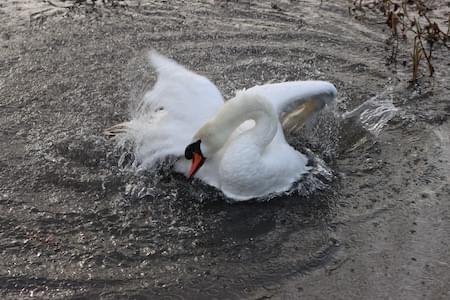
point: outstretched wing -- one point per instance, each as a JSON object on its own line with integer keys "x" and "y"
{"x": 170, "y": 113}
{"x": 184, "y": 94}
{"x": 297, "y": 101}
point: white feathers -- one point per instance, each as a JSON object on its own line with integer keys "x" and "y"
{"x": 169, "y": 115}
{"x": 253, "y": 158}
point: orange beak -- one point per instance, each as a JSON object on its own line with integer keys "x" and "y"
{"x": 197, "y": 162}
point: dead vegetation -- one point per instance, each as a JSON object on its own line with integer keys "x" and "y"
{"x": 408, "y": 20}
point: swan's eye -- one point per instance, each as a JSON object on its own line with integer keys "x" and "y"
{"x": 190, "y": 149}
{"x": 188, "y": 152}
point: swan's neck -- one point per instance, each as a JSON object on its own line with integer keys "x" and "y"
{"x": 240, "y": 109}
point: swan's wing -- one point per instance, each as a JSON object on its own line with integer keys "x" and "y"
{"x": 182, "y": 93}
{"x": 170, "y": 113}
{"x": 296, "y": 101}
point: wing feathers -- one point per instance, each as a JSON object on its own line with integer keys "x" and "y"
{"x": 179, "y": 103}
{"x": 297, "y": 101}
{"x": 286, "y": 96}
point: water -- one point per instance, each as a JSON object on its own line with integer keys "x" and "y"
{"x": 200, "y": 234}
{"x": 319, "y": 141}
{"x": 374, "y": 114}
{"x": 77, "y": 222}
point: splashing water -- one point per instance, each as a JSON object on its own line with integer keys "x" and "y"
{"x": 327, "y": 131}
{"x": 374, "y": 114}
{"x": 319, "y": 139}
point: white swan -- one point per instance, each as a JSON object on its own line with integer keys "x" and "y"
{"x": 237, "y": 146}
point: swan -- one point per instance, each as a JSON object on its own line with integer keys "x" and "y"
{"x": 237, "y": 146}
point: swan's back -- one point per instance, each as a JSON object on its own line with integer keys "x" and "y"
{"x": 171, "y": 112}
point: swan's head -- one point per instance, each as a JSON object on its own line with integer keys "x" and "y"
{"x": 207, "y": 141}
{"x": 194, "y": 152}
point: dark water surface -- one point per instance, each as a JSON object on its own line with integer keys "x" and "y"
{"x": 75, "y": 223}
